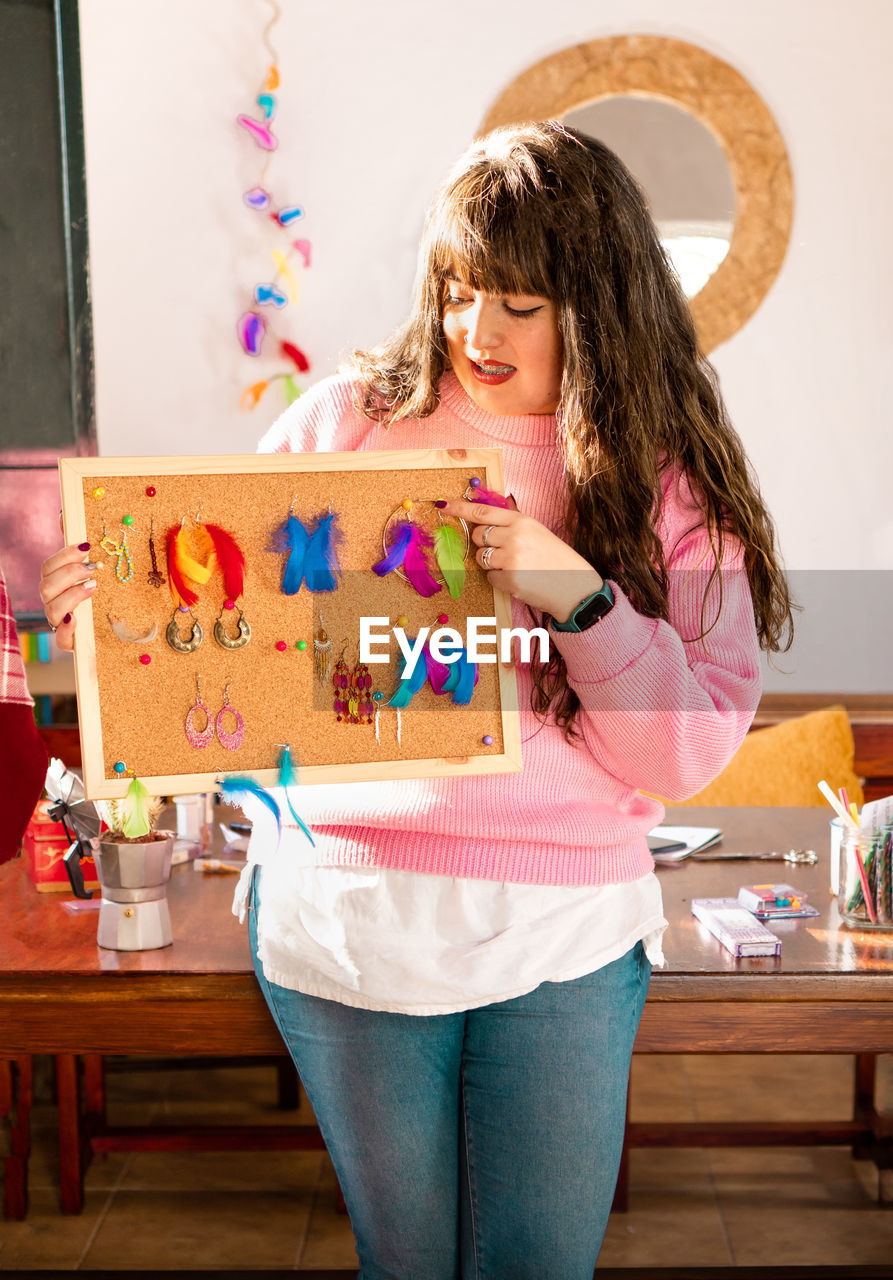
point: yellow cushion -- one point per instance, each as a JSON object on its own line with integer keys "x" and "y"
{"x": 783, "y": 764}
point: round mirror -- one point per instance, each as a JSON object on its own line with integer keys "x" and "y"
{"x": 683, "y": 171}
{"x": 686, "y": 84}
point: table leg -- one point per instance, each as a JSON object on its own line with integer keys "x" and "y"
{"x": 71, "y": 1167}
{"x": 15, "y": 1114}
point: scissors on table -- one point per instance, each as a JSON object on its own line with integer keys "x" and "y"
{"x": 806, "y": 857}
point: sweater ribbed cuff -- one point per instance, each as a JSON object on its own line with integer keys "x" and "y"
{"x": 607, "y": 648}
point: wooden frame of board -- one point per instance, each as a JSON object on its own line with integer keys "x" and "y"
{"x": 123, "y": 704}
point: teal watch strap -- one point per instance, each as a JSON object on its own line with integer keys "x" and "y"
{"x": 588, "y": 611}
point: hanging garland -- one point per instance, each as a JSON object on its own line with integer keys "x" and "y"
{"x": 254, "y": 327}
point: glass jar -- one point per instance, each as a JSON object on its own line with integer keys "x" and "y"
{"x": 864, "y": 893}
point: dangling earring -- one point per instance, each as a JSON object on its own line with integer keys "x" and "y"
{"x": 121, "y": 551}
{"x": 290, "y": 538}
{"x": 155, "y": 579}
{"x": 176, "y": 641}
{"x": 199, "y": 737}
{"x": 242, "y": 636}
{"x": 341, "y": 683}
{"x": 322, "y": 654}
{"x": 361, "y": 695}
{"x": 321, "y": 569}
{"x": 232, "y": 741}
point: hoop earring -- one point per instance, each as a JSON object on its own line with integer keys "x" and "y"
{"x": 199, "y": 738}
{"x": 176, "y": 641}
{"x": 232, "y": 741}
{"x": 243, "y": 634}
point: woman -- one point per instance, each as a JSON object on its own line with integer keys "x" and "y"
{"x": 23, "y": 757}
{"x": 459, "y": 974}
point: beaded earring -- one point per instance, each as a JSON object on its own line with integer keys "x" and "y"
{"x": 199, "y": 738}
{"x": 231, "y": 741}
{"x": 121, "y": 552}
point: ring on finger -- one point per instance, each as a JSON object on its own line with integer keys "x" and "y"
{"x": 485, "y": 536}
{"x": 486, "y": 557}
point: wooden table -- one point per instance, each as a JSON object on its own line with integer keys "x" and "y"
{"x": 830, "y": 991}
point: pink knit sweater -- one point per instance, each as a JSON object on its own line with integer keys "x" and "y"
{"x": 658, "y": 712}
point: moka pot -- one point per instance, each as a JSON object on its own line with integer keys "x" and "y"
{"x": 134, "y": 915}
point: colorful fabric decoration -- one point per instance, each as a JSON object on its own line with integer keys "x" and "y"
{"x": 269, "y": 295}
{"x": 257, "y": 198}
{"x": 263, "y": 136}
{"x": 252, "y": 327}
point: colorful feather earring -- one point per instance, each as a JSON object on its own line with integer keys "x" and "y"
{"x": 321, "y": 570}
{"x": 408, "y": 547}
{"x": 312, "y": 555}
{"x": 237, "y": 789}
{"x": 476, "y": 493}
{"x": 288, "y": 777}
{"x": 290, "y": 539}
{"x": 405, "y": 544}
{"x": 450, "y": 550}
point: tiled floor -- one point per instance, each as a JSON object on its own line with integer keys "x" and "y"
{"x": 145, "y": 1211}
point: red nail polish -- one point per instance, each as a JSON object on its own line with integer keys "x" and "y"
{"x": 440, "y": 503}
{"x": 67, "y": 618}
{"x": 83, "y": 546}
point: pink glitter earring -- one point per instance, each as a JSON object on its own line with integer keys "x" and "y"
{"x": 232, "y": 741}
{"x": 199, "y": 737}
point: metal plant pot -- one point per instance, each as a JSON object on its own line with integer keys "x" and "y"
{"x": 134, "y": 915}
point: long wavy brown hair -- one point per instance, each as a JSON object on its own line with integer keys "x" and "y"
{"x": 543, "y": 209}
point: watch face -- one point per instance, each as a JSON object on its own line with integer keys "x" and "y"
{"x": 593, "y": 609}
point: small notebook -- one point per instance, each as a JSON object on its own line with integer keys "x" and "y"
{"x": 672, "y": 844}
{"x": 734, "y": 926}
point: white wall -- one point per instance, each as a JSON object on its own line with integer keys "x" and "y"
{"x": 376, "y": 101}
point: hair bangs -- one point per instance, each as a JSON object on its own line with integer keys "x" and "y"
{"x": 487, "y": 239}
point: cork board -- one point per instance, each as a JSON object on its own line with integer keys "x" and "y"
{"x": 134, "y": 711}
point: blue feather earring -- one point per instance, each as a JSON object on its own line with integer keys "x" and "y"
{"x": 321, "y": 569}
{"x": 288, "y": 778}
{"x": 291, "y": 539}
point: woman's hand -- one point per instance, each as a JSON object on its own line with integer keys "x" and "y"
{"x": 524, "y": 558}
{"x": 66, "y": 580}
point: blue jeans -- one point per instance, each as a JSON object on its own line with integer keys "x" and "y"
{"x": 483, "y": 1144}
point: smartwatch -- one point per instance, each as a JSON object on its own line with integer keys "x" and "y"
{"x": 588, "y": 611}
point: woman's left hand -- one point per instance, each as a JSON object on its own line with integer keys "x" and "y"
{"x": 524, "y": 558}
